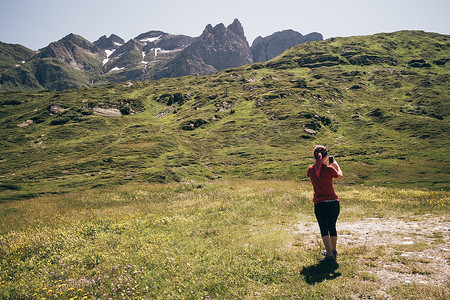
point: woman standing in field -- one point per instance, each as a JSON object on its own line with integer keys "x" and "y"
{"x": 326, "y": 201}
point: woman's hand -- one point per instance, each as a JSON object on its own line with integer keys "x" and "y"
{"x": 338, "y": 169}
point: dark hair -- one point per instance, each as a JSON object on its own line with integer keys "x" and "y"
{"x": 320, "y": 149}
{"x": 319, "y": 153}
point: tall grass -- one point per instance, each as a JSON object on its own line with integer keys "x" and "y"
{"x": 221, "y": 240}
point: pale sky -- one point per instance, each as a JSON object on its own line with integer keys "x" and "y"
{"x": 36, "y": 23}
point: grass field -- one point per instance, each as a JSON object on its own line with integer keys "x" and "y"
{"x": 238, "y": 239}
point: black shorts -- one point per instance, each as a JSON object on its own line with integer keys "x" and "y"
{"x": 326, "y": 215}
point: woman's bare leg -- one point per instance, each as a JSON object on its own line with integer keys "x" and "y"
{"x": 328, "y": 245}
{"x": 333, "y": 242}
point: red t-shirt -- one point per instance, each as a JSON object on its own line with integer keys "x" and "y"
{"x": 323, "y": 186}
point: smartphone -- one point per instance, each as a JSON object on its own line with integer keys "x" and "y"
{"x": 330, "y": 159}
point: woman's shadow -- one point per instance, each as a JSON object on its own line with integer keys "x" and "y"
{"x": 320, "y": 272}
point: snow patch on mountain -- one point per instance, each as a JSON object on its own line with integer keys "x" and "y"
{"x": 160, "y": 50}
{"x": 143, "y": 59}
{"x": 150, "y": 40}
{"x": 116, "y": 69}
{"x": 108, "y": 54}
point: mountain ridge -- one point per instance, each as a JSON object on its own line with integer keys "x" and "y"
{"x": 149, "y": 56}
{"x": 264, "y": 49}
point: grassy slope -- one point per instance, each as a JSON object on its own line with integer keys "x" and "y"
{"x": 12, "y": 55}
{"x": 384, "y": 119}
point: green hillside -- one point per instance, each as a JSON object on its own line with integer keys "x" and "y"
{"x": 12, "y": 55}
{"x": 71, "y": 62}
{"x": 380, "y": 103}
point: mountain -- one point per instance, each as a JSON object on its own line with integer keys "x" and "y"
{"x": 12, "y": 56}
{"x": 71, "y": 62}
{"x": 380, "y": 103}
{"x": 156, "y": 55}
{"x": 221, "y": 47}
{"x": 216, "y": 49}
{"x": 109, "y": 43}
{"x": 75, "y": 62}
{"x": 12, "y": 59}
{"x": 68, "y": 63}
{"x": 264, "y": 49}
{"x": 140, "y": 58}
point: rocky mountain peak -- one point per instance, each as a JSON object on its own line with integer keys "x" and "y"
{"x": 222, "y": 47}
{"x": 218, "y": 29}
{"x": 161, "y": 40}
{"x": 236, "y": 27}
{"x": 60, "y": 65}
{"x": 71, "y": 37}
{"x": 208, "y": 28}
{"x": 127, "y": 47}
{"x": 271, "y": 46}
{"x": 77, "y": 40}
{"x": 150, "y": 36}
{"x": 110, "y": 43}
{"x": 70, "y": 48}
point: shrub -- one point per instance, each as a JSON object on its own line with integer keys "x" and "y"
{"x": 11, "y": 102}
{"x": 125, "y": 110}
{"x": 60, "y": 121}
{"x": 418, "y": 63}
{"x": 193, "y": 124}
{"x": 9, "y": 186}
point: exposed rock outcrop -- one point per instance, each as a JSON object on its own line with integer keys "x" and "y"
{"x": 216, "y": 49}
{"x": 271, "y": 46}
{"x": 110, "y": 43}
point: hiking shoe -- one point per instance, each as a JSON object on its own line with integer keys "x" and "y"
{"x": 324, "y": 253}
{"x": 328, "y": 259}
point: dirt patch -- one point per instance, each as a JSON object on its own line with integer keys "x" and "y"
{"x": 393, "y": 252}
{"x": 57, "y": 109}
{"x": 108, "y": 112}
{"x": 25, "y": 123}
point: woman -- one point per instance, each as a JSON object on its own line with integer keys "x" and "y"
{"x": 326, "y": 202}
